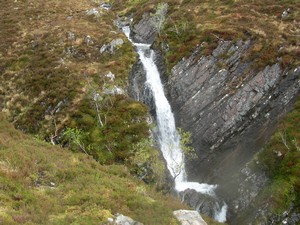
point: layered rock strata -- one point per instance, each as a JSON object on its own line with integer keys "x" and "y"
{"x": 220, "y": 98}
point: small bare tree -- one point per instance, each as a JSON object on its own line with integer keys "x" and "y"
{"x": 96, "y": 98}
{"x": 284, "y": 139}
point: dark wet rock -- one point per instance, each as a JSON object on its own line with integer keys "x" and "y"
{"x": 138, "y": 90}
{"x": 147, "y": 53}
{"x": 203, "y": 203}
{"x": 144, "y": 31}
{"x": 161, "y": 66}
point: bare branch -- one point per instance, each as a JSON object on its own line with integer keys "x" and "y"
{"x": 283, "y": 138}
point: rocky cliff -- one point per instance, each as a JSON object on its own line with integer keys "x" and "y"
{"x": 231, "y": 106}
{"x": 220, "y": 98}
{"x": 231, "y": 110}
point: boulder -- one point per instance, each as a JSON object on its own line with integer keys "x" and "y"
{"x": 93, "y": 12}
{"x": 111, "y": 47}
{"x": 123, "y": 220}
{"x": 189, "y": 217}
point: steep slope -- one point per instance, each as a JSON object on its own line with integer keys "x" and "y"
{"x": 65, "y": 64}
{"x": 43, "y": 184}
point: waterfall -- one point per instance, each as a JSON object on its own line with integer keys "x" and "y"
{"x": 168, "y": 137}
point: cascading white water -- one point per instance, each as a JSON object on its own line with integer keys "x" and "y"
{"x": 169, "y": 139}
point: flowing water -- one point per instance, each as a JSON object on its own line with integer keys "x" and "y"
{"x": 168, "y": 137}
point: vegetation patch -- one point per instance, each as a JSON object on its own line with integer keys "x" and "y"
{"x": 54, "y": 76}
{"x": 281, "y": 160}
{"x": 45, "y": 184}
{"x": 274, "y": 25}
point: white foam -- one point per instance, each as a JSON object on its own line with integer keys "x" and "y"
{"x": 220, "y": 216}
{"x": 199, "y": 187}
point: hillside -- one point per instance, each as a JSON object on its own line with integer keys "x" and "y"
{"x": 45, "y": 184}
{"x": 52, "y": 69}
{"x": 272, "y": 25}
{"x": 70, "y": 77}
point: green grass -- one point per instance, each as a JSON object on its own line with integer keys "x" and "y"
{"x": 45, "y": 184}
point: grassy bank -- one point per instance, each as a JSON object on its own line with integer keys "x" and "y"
{"x": 45, "y": 184}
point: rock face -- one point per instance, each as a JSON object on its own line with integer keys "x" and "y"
{"x": 219, "y": 98}
{"x": 250, "y": 184}
{"x": 144, "y": 31}
{"x": 189, "y": 217}
{"x": 231, "y": 109}
{"x": 138, "y": 89}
